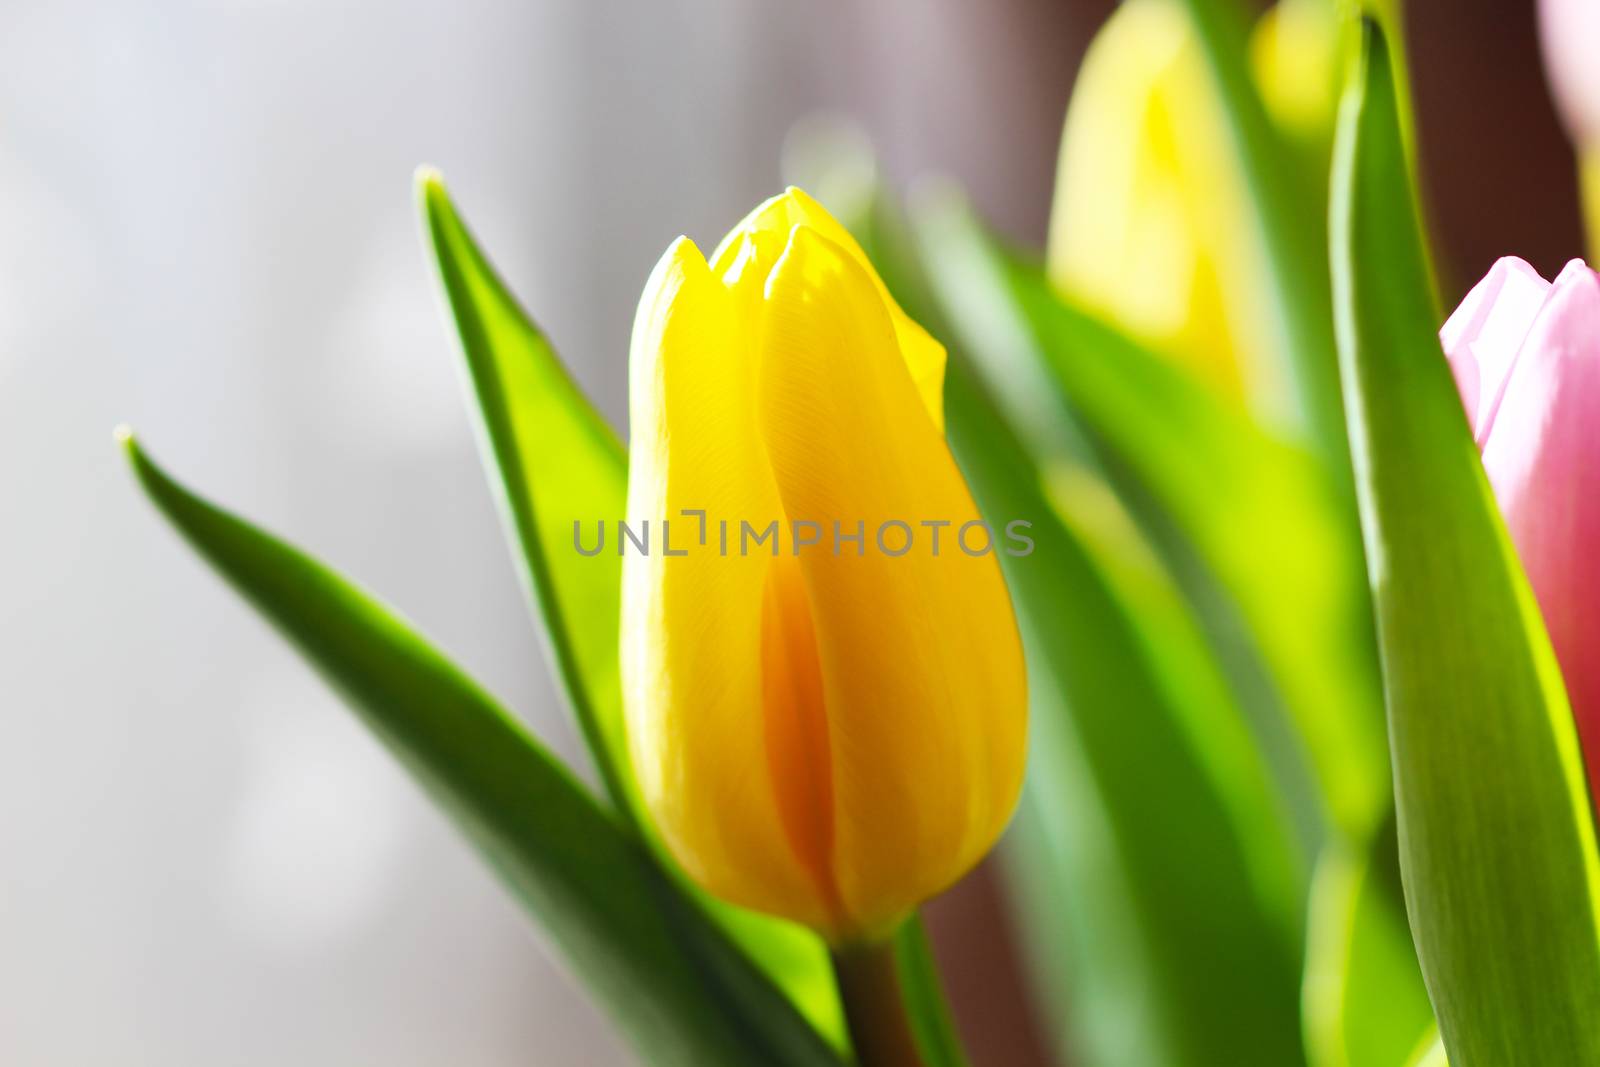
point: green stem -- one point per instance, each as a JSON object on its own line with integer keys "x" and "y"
{"x": 869, "y": 986}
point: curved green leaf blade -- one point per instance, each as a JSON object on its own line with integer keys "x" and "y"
{"x": 1290, "y": 235}
{"x": 1131, "y": 993}
{"x": 1194, "y": 859}
{"x": 554, "y": 462}
{"x": 1363, "y": 999}
{"x": 1497, "y": 842}
{"x": 1244, "y": 517}
{"x": 681, "y": 993}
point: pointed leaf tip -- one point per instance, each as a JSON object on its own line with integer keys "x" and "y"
{"x": 644, "y": 951}
{"x": 553, "y": 460}
{"x": 151, "y": 478}
{"x": 433, "y": 203}
{"x": 1497, "y": 843}
{"x": 427, "y": 179}
{"x": 1372, "y": 52}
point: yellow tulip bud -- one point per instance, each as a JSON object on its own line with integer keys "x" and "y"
{"x": 829, "y": 725}
{"x": 1152, "y": 225}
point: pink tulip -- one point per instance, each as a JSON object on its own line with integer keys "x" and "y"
{"x": 1570, "y": 33}
{"x": 1526, "y": 357}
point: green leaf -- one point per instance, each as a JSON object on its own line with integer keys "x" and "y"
{"x": 1496, "y": 837}
{"x": 1288, "y": 227}
{"x": 1252, "y": 526}
{"x": 1124, "y": 962}
{"x": 553, "y": 463}
{"x": 677, "y": 988}
{"x": 1363, "y": 999}
{"x": 1177, "y": 902}
{"x": 923, "y": 993}
{"x": 1431, "y": 1054}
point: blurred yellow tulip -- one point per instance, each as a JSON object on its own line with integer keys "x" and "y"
{"x": 1152, "y": 226}
{"x": 824, "y": 727}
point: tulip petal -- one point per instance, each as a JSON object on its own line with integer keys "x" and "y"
{"x": 692, "y": 625}
{"x": 921, "y": 663}
{"x": 1484, "y": 334}
{"x": 1541, "y": 458}
{"x": 1150, "y": 225}
{"x": 924, "y": 356}
{"x": 1569, "y": 31}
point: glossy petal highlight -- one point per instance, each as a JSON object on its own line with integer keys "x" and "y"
{"x": 924, "y": 356}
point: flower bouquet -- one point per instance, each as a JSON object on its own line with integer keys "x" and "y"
{"x": 1240, "y": 593}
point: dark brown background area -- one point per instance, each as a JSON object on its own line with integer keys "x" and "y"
{"x": 1498, "y": 179}
{"x": 1498, "y": 174}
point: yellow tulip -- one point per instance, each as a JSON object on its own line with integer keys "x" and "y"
{"x": 822, "y": 729}
{"x": 1152, "y": 225}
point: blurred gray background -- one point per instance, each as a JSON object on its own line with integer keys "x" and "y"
{"x": 206, "y": 230}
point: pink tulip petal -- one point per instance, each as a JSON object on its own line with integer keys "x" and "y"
{"x": 1543, "y": 459}
{"x": 1569, "y": 30}
{"x": 1483, "y": 336}
{"x": 1575, "y": 268}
